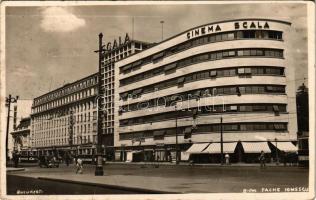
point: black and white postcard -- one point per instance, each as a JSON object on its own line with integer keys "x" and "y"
{"x": 157, "y": 100}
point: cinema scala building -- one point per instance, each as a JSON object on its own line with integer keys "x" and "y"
{"x": 177, "y": 96}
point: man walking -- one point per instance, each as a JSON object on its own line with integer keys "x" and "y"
{"x": 16, "y": 159}
{"x": 79, "y": 166}
{"x": 262, "y": 160}
{"x": 227, "y": 159}
{"x": 67, "y": 158}
{"x": 285, "y": 159}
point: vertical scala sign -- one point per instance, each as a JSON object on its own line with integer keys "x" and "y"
{"x": 116, "y": 44}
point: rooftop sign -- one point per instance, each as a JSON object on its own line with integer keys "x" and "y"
{"x": 208, "y": 29}
{"x": 115, "y": 45}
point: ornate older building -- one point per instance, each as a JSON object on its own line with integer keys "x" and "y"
{"x": 231, "y": 75}
{"x": 65, "y": 119}
{"x": 21, "y": 111}
{"x": 22, "y": 139}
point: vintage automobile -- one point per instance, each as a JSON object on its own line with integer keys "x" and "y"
{"x": 45, "y": 161}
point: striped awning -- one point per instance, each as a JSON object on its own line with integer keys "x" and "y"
{"x": 285, "y": 146}
{"x": 197, "y": 148}
{"x": 216, "y": 148}
{"x": 256, "y": 147}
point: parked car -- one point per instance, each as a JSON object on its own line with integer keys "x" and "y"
{"x": 45, "y": 161}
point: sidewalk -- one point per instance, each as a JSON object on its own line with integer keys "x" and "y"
{"x": 171, "y": 178}
{"x": 186, "y": 164}
{"x": 12, "y": 169}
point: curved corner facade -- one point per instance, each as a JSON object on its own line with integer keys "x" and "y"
{"x": 177, "y": 91}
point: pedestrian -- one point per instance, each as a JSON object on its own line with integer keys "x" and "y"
{"x": 227, "y": 158}
{"x": 262, "y": 159}
{"x": 285, "y": 159}
{"x": 16, "y": 159}
{"x": 67, "y": 159}
{"x": 79, "y": 166}
{"x": 54, "y": 161}
{"x": 191, "y": 162}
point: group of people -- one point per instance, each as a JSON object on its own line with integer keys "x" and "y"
{"x": 50, "y": 161}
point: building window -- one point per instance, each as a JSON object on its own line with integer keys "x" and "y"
{"x": 94, "y": 115}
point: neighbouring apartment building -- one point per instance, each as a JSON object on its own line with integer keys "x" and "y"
{"x": 174, "y": 94}
{"x": 65, "y": 119}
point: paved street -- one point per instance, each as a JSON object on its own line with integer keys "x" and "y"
{"x": 173, "y": 179}
{"x": 20, "y": 184}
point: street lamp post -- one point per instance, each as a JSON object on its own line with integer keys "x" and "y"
{"x": 99, "y": 165}
{"x": 222, "y": 153}
{"x": 276, "y": 153}
{"x": 177, "y": 145}
{"x": 9, "y": 100}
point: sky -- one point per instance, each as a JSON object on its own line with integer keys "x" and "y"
{"x": 47, "y": 47}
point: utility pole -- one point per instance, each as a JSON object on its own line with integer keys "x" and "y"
{"x": 177, "y": 148}
{"x": 9, "y": 100}
{"x": 222, "y": 154}
{"x": 99, "y": 165}
{"x": 161, "y": 22}
{"x": 277, "y": 153}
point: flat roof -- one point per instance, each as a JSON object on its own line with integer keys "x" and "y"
{"x": 66, "y": 85}
{"x": 211, "y": 23}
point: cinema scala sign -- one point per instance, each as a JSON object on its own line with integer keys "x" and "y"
{"x": 208, "y": 29}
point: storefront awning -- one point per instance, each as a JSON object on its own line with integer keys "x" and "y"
{"x": 285, "y": 146}
{"x": 197, "y": 148}
{"x": 216, "y": 148}
{"x": 256, "y": 147}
